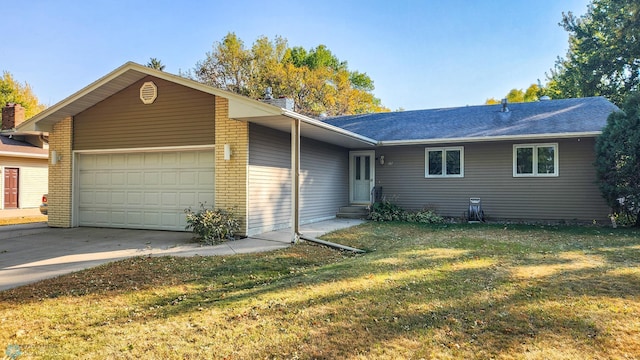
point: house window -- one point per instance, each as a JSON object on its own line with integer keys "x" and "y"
{"x": 535, "y": 160}
{"x": 444, "y": 162}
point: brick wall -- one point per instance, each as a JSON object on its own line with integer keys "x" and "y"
{"x": 231, "y": 175}
{"x": 60, "y": 140}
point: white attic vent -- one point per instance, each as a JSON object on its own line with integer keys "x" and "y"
{"x": 148, "y": 92}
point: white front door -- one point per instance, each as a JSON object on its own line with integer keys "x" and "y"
{"x": 361, "y": 176}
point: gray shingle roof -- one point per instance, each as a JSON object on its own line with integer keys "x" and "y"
{"x": 10, "y": 145}
{"x": 535, "y": 118}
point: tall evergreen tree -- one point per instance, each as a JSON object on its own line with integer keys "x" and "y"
{"x": 618, "y": 160}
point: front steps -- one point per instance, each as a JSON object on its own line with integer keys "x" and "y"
{"x": 353, "y": 212}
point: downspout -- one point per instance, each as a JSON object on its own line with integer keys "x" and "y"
{"x": 295, "y": 180}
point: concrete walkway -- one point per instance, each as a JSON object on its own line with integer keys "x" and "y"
{"x": 32, "y": 252}
{"x": 19, "y": 213}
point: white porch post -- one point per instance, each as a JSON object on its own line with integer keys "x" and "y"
{"x": 295, "y": 180}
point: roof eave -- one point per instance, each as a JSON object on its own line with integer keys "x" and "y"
{"x": 108, "y": 84}
{"x": 360, "y": 138}
{"x": 491, "y": 138}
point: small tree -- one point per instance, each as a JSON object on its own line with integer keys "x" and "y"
{"x": 155, "y": 64}
{"x": 618, "y": 160}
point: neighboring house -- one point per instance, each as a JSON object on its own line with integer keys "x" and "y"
{"x": 138, "y": 146}
{"x": 23, "y": 162}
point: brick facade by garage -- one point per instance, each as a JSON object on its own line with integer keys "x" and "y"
{"x": 60, "y": 174}
{"x": 231, "y": 175}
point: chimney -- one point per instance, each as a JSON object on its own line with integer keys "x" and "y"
{"x": 504, "y": 105}
{"x": 12, "y": 116}
{"x": 282, "y": 102}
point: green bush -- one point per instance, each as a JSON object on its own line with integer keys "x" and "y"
{"x": 212, "y": 226}
{"x": 388, "y": 211}
{"x": 424, "y": 216}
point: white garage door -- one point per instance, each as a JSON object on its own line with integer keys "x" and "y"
{"x": 143, "y": 190}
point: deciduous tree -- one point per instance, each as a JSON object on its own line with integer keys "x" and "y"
{"x": 604, "y": 52}
{"x": 532, "y": 93}
{"x": 317, "y": 81}
{"x": 12, "y": 91}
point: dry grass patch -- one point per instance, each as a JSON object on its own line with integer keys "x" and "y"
{"x": 444, "y": 292}
{"x": 23, "y": 220}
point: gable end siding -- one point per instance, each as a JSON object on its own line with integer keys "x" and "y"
{"x": 179, "y": 116}
{"x": 488, "y": 174}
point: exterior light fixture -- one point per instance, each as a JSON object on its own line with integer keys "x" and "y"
{"x": 227, "y": 152}
{"x": 55, "y": 157}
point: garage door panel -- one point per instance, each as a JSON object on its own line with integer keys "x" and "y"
{"x": 169, "y": 198}
{"x": 170, "y": 178}
{"x": 102, "y": 178}
{"x": 151, "y": 178}
{"x": 86, "y": 179}
{"x": 101, "y": 198}
{"x": 188, "y": 199}
{"x": 151, "y": 198}
{"x": 134, "y": 198}
{"x": 135, "y": 161}
{"x": 143, "y": 190}
{"x": 118, "y": 218}
{"x": 206, "y": 198}
{"x": 205, "y": 179}
{"x": 118, "y": 198}
{"x": 188, "y": 178}
{"x": 118, "y": 178}
{"x": 102, "y": 162}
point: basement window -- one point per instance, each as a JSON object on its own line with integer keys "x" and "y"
{"x": 444, "y": 162}
{"x": 535, "y": 160}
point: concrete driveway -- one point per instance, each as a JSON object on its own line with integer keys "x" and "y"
{"x": 32, "y": 252}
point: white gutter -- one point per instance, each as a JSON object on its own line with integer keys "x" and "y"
{"x": 488, "y": 138}
{"x": 24, "y": 155}
{"x": 324, "y": 125}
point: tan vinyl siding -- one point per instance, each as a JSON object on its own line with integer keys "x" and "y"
{"x": 488, "y": 174}
{"x": 324, "y": 180}
{"x": 179, "y": 116}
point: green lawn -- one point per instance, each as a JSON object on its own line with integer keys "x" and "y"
{"x": 420, "y": 291}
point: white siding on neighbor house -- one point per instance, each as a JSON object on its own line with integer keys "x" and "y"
{"x": 33, "y": 175}
{"x": 488, "y": 174}
{"x": 324, "y": 180}
{"x": 143, "y": 190}
{"x": 33, "y": 184}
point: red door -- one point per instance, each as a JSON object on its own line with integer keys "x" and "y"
{"x": 10, "y": 188}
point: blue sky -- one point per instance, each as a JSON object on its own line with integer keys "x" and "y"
{"x": 420, "y": 54}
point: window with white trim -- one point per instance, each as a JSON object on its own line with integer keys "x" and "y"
{"x": 444, "y": 162}
{"x": 535, "y": 160}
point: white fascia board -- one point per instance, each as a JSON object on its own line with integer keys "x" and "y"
{"x": 320, "y": 124}
{"x": 490, "y": 138}
{"x": 24, "y": 155}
